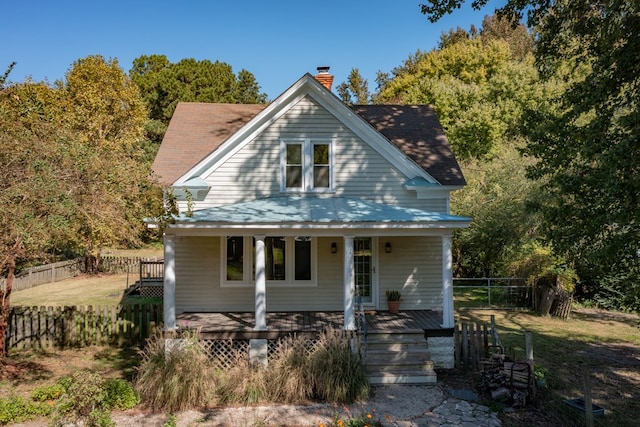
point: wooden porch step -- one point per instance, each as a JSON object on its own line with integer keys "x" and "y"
{"x": 404, "y": 378}
{"x": 399, "y": 358}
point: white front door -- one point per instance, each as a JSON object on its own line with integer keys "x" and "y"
{"x": 364, "y": 265}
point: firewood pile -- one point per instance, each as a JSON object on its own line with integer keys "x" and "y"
{"x": 506, "y": 380}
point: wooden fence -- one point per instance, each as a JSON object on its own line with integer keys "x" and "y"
{"x": 473, "y": 342}
{"x": 49, "y": 273}
{"x": 44, "y": 327}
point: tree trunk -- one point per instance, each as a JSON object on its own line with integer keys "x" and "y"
{"x": 4, "y": 309}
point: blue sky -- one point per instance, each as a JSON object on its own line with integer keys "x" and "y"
{"x": 277, "y": 41}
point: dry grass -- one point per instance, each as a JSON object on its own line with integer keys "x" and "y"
{"x": 103, "y": 290}
{"x": 606, "y": 345}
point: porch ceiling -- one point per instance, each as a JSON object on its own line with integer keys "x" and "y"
{"x": 319, "y": 210}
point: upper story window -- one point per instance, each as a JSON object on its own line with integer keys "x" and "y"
{"x": 306, "y": 165}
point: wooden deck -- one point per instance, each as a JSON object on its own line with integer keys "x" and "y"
{"x": 240, "y": 325}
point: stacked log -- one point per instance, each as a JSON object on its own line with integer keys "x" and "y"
{"x": 508, "y": 381}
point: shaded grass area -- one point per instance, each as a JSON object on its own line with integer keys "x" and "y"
{"x": 606, "y": 345}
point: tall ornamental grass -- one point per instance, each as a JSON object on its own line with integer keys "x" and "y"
{"x": 174, "y": 375}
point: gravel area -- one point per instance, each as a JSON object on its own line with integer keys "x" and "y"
{"x": 391, "y": 405}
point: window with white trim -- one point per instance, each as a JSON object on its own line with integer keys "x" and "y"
{"x": 289, "y": 261}
{"x": 306, "y": 165}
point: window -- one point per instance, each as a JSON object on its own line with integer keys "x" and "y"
{"x": 235, "y": 258}
{"x": 306, "y": 165}
{"x": 289, "y": 261}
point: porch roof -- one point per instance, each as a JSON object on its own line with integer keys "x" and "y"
{"x": 325, "y": 210}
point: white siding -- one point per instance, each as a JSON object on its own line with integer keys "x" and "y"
{"x": 254, "y": 171}
{"x": 413, "y": 268}
{"x": 198, "y": 282}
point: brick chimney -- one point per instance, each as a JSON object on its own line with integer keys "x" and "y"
{"x": 324, "y": 77}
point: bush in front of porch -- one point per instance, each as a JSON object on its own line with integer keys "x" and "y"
{"x": 182, "y": 377}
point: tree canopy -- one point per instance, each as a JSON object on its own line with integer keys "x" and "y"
{"x": 163, "y": 84}
{"x": 477, "y": 84}
{"x": 72, "y": 180}
{"x": 355, "y": 90}
{"x": 586, "y": 138}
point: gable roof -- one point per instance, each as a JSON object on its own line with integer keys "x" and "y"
{"x": 416, "y": 131}
{"x": 197, "y": 130}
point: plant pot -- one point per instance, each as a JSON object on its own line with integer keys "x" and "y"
{"x": 393, "y": 306}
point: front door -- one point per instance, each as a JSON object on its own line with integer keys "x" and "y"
{"x": 364, "y": 269}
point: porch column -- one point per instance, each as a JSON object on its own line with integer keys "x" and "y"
{"x": 447, "y": 282}
{"x": 261, "y": 286}
{"x": 169, "y": 295}
{"x": 348, "y": 285}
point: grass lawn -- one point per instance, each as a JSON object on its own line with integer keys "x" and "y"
{"x": 101, "y": 290}
{"x": 605, "y": 344}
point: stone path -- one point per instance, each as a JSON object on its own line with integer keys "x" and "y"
{"x": 453, "y": 412}
{"x": 392, "y": 405}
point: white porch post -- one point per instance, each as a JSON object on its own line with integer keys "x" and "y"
{"x": 447, "y": 282}
{"x": 348, "y": 285}
{"x": 261, "y": 286}
{"x": 169, "y": 295}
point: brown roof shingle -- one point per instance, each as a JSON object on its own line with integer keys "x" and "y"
{"x": 197, "y": 129}
{"x": 416, "y": 130}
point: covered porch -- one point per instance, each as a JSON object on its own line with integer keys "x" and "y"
{"x": 241, "y": 325}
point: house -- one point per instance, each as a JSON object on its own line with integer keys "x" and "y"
{"x": 307, "y": 205}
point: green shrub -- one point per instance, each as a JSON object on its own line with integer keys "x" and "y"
{"x": 335, "y": 371}
{"x": 85, "y": 400}
{"x": 120, "y": 394}
{"x": 48, "y": 392}
{"x": 15, "y": 409}
{"x": 176, "y": 378}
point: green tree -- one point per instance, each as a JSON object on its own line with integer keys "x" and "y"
{"x": 587, "y": 142}
{"x": 451, "y": 37}
{"x": 163, "y": 84}
{"x": 496, "y": 197}
{"x": 519, "y": 39}
{"x": 104, "y": 105}
{"x": 33, "y": 203}
{"x": 5, "y": 76}
{"x": 477, "y": 87}
{"x": 109, "y": 181}
{"x": 355, "y": 90}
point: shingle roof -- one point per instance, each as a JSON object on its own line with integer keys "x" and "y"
{"x": 416, "y": 131}
{"x": 197, "y": 129}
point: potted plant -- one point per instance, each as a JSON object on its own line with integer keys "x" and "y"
{"x": 393, "y": 300}
{"x": 540, "y": 374}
